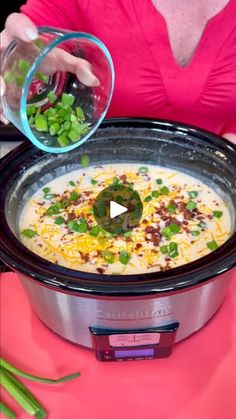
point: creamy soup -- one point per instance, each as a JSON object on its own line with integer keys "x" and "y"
{"x": 183, "y": 219}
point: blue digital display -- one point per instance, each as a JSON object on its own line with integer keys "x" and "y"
{"x": 134, "y": 353}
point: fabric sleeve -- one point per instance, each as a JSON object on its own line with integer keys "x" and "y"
{"x": 229, "y": 128}
{"x": 62, "y": 14}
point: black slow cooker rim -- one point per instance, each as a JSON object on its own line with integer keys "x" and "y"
{"x": 22, "y": 260}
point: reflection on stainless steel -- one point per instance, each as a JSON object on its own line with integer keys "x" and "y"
{"x": 71, "y": 315}
{"x": 6, "y": 146}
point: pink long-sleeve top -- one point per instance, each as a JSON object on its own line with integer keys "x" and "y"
{"x": 149, "y": 82}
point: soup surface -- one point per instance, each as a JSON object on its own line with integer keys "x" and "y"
{"x": 183, "y": 220}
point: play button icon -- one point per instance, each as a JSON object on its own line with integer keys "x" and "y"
{"x": 118, "y": 208}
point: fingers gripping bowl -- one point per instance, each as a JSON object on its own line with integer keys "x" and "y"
{"x": 58, "y": 87}
{"x": 71, "y": 301}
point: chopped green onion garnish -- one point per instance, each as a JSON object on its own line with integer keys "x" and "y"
{"x": 46, "y": 190}
{"x": 31, "y": 110}
{"x": 71, "y": 183}
{"x": 65, "y": 111}
{"x": 52, "y": 97}
{"x": 73, "y": 135}
{"x": 28, "y": 232}
{"x": 80, "y": 227}
{"x": 212, "y": 245}
{"x": 191, "y": 205}
{"x": 84, "y": 161}
{"x": 52, "y": 210}
{"x": 171, "y": 209}
{"x": 202, "y": 224}
{"x": 74, "y": 196}
{"x": 127, "y": 234}
{"x": 73, "y": 225}
{"x": 166, "y": 232}
{"x": 192, "y": 194}
{"x": 59, "y": 220}
{"x": 173, "y": 250}
{"x": 48, "y": 196}
{"x": 58, "y": 205}
{"x": 143, "y": 169}
{"x": 24, "y": 65}
{"x": 164, "y": 190}
{"x": 9, "y": 77}
{"x": 39, "y": 43}
{"x": 67, "y": 99}
{"x": 65, "y": 203}
{"x": 108, "y": 256}
{"x": 124, "y": 257}
{"x": 174, "y": 228}
{"x": 148, "y": 198}
{"x": 19, "y": 78}
{"x": 95, "y": 230}
{"x": 94, "y": 181}
{"x": 41, "y": 123}
{"x": 116, "y": 181}
{"x": 159, "y": 181}
{"x": 80, "y": 113}
{"x": 195, "y": 232}
{"x": 155, "y": 194}
{"x": 83, "y": 226}
{"x": 164, "y": 249}
{"x": 31, "y": 121}
{"x": 54, "y": 128}
{"x": 218, "y": 214}
{"x": 42, "y": 77}
{"x": 63, "y": 140}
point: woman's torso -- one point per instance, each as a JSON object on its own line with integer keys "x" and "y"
{"x": 150, "y": 81}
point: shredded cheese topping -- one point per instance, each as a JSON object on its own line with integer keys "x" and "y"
{"x": 196, "y": 231}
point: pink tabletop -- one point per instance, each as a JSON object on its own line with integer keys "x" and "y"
{"x": 197, "y": 381}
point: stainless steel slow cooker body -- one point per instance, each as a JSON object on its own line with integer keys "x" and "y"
{"x": 71, "y": 302}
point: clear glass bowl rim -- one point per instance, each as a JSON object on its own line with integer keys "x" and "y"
{"x": 62, "y": 36}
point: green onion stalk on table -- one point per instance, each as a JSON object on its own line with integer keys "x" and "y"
{"x": 19, "y": 392}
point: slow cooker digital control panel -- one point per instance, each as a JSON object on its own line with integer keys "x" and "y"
{"x": 127, "y": 345}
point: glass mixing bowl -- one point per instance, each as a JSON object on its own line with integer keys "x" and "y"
{"x": 44, "y": 97}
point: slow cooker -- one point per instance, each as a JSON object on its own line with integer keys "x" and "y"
{"x": 137, "y": 316}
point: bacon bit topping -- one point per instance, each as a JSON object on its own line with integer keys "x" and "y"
{"x": 164, "y": 214}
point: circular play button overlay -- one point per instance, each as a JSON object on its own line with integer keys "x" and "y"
{"x": 118, "y": 209}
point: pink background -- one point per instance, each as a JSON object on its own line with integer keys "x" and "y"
{"x": 198, "y": 381}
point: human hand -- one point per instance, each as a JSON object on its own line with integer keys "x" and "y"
{"x": 21, "y": 27}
